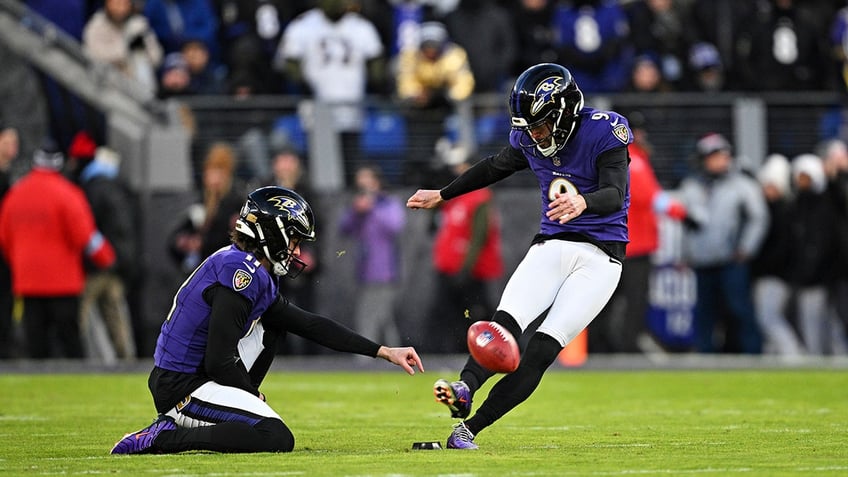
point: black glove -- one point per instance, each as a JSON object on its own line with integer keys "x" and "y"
{"x": 136, "y": 42}
{"x": 691, "y": 224}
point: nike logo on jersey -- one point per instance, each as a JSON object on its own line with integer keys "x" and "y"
{"x": 249, "y": 268}
{"x": 614, "y": 123}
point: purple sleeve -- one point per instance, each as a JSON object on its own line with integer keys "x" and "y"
{"x": 349, "y": 222}
{"x": 392, "y": 215}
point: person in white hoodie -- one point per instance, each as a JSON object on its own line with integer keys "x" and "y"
{"x": 815, "y": 247}
{"x": 771, "y": 268}
{"x": 121, "y": 37}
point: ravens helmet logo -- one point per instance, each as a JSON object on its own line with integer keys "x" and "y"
{"x": 544, "y": 93}
{"x": 290, "y": 207}
{"x": 283, "y": 203}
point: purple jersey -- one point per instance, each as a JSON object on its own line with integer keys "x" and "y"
{"x": 181, "y": 345}
{"x": 574, "y": 170}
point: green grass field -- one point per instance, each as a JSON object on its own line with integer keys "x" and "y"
{"x": 580, "y": 423}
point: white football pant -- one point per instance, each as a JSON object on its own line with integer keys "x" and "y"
{"x": 221, "y": 404}
{"x": 574, "y": 279}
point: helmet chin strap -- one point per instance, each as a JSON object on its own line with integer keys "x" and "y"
{"x": 554, "y": 147}
{"x": 550, "y": 150}
{"x": 279, "y": 269}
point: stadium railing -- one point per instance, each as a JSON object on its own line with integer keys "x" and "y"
{"x": 789, "y": 123}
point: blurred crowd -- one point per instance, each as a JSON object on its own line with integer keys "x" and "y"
{"x": 768, "y": 246}
{"x": 243, "y": 47}
{"x": 769, "y": 250}
{"x": 426, "y": 58}
{"x": 427, "y": 55}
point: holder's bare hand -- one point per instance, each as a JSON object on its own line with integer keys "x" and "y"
{"x": 407, "y": 358}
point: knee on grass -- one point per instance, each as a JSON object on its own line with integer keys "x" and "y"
{"x": 276, "y": 436}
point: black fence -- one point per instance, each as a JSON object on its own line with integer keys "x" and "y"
{"x": 789, "y": 123}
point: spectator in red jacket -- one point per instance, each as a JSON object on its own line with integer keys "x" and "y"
{"x": 46, "y": 232}
{"x": 467, "y": 257}
{"x": 618, "y": 326}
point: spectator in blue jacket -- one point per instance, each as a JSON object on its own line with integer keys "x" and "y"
{"x": 176, "y": 21}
